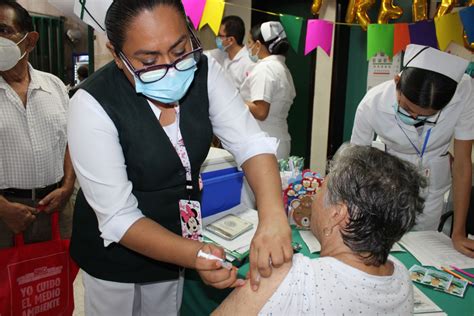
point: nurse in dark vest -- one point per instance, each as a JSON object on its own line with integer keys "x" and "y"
{"x": 139, "y": 130}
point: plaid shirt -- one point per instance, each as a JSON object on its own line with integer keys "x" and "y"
{"x": 33, "y": 138}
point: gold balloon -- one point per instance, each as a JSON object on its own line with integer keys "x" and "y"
{"x": 362, "y": 16}
{"x": 419, "y": 10}
{"x": 388, "y": 12}
{"x": 316, "y": 6}
{"x": 468, "y": 45}
{"x": 351, "y": 11}
{"x": 444, "y": 8}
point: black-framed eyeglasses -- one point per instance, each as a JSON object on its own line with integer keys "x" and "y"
{"x": 421, "y": 118}
{"x": 157, "y": 72}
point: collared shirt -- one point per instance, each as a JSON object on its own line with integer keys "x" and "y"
{"x": 376, "y": 115}
{"x": 237, "y": 68}
{"x": 100, "y": 164}
{"x": 33, "y": 138}
{"x": 270, "y": 80}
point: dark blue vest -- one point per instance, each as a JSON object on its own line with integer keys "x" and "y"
{"x": 153, "y": 167}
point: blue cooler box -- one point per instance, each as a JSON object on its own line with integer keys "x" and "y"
{"x": 222, "y": 182}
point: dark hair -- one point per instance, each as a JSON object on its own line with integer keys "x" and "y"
{"x": 382, "y": 195}
{"x": 426, "y": 88}
{"x": 275, "y": 46}
{"x": 121, "y": 12}
{"x": 83, "y": 71}
{"x": 234, "y": 26}
{"x": 22, "y": 17}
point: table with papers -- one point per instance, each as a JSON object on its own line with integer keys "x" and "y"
{"x": 199, "y": 299}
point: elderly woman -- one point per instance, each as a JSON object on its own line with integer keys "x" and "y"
{"x": 366, "y": 204}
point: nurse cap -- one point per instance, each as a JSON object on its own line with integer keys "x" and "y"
{"x": 424, "y": 57}
{"x": 272, "y": 30}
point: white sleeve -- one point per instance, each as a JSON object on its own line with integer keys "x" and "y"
{"x": 99, "y": 164}
{"x": 262, "y": 85}
{"x": 232, "y": 121}
{"x": 464, "y": 129}
{"x": 362, "y": 131}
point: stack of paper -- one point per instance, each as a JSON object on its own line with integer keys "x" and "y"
{"x": 239, "y": 247}
{"x": 314, "y": 245}
{"x": 422, "y": 304}
{"x": 432, "y": 248}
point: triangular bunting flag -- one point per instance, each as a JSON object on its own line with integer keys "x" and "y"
{"x": 467, "y": 18}
{"x": 401, "y": 37}
{"x": 380, "y": 39}
{"x": 292, "y": 25}
{"x": 318, "y": 33}
{"x": 423, "y": 33}
{"x": 448, "y": 29}
{"x": 212, "y": 15}
{"x": 194, "y": 10}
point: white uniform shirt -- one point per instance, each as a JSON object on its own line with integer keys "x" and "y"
{"x": 271, "y": 81}
{"x": 238, "y": 68}
{"x": 33, "y": 138}
{"x": 375, "y": 114}
{"x": 327, "y": 286}
{"x": 100, "y": 164}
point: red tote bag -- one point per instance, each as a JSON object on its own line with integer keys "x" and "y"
{"x": 37, "y": 279}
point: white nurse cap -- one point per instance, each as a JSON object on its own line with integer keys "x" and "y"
{"x": 424, "y": 57}
{"x": 272, "y": 30}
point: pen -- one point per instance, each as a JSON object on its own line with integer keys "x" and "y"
{"x": 225, "y": 264}
{"x": 462, "y": 271}
{"x": 456, "y": 275}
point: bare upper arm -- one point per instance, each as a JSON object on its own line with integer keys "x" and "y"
{"x": 259, "y": 109}
{"x": 244, "y": 301}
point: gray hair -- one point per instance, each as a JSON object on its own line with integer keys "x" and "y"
{"x": 382, "y": 195}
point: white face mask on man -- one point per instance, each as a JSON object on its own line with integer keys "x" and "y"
{"x": 10, "y": 53}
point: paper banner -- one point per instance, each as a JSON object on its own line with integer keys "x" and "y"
{"x": 380, "y": 39}
{"x": 319, "y": 33}
{"x": 194, "y": 10}
{"x": 292, "y": 25}
{"x": 467, "y": 18}
{"x": 423, "y": 33}
{"x": 401, "y": 37}
{"x": 448, "y": 28}
{"x": 212, "y": 15}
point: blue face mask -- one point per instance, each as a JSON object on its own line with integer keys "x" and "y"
{"x": 406, "y": 119}
{"x": 220, "y": 45}
{"x": 252, "y": 57}
{"x": 170, "y": 89}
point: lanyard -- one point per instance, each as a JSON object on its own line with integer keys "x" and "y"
{"x": 183, "y": 154}
{"x": 425, "y": 142}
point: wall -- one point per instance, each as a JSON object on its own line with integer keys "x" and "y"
{"x": 36, "y": 7}
{"x": 302, "y": 71}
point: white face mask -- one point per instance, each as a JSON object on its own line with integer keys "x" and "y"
{"x": 10, "y": 53}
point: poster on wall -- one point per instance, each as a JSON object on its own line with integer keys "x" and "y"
{"x": 382, "y": 68}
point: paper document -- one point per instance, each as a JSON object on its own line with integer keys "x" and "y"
{"x": 242, "y": 243}
{"x": 397, "y": 248}
{"x": 422, "y": 303}
{"x": 310, "y": 241}
{"x": 314, "y": 245}
{"x": 435, "y": 249}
